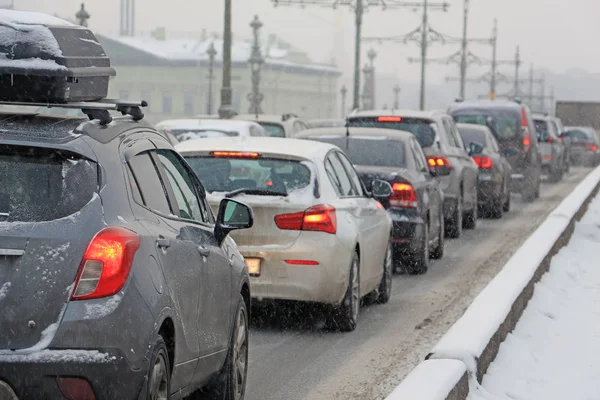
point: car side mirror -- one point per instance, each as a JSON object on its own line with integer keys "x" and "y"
{"x": 232, "y": 216}
{"x": 381, "y": 189}
{"x": 475, "y": 148}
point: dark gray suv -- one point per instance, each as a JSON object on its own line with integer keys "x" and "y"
{"x": 116, "y": 280}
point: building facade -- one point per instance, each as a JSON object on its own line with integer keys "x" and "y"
{"x": 172, "y": 75}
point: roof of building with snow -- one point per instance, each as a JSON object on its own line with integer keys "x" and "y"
{"x": 153, "y": 51}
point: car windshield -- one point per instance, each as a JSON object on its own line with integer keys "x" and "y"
{"x": 424, "y": 129}
{"x": 221, "y": 174}
{"x": 43, "y": 185}
{"x": 369, "y": 150}
{"x": 504, "y": 124}
{"x": 471, "y": 135}
{"x": 273, "y": 130}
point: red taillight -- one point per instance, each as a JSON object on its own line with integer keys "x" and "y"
{"x": 234, "y": 154}
{"x": 388, "y": 119}
{"x": 547, "y": 157}
{"x": 106, "y": 263}
{"x": 591, "y": 147}
{"x": 550, "y": 139}
{"x": 483, "y": 162}
{"x": 525, "y": 130}
{"x": 320, "y": 218}
{"x": 301, "y": 262}
{"x": 404, "y": 196}
{"x": 560, "y": 139}
{"x": 438, "y": 162}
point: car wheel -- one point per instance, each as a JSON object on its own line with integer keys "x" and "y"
{"x": 454, "y": 226}
{"x": 345, "y": 316}
{"x": 231, "y": 382}
{"x": 418, "y": 264}
{"x": 385, "y": 286}
{"x": 506, "y": 206}
{"x": 438, "y": 251}
{"x": 470, "y": 219}
{"x": 159, "y": 374}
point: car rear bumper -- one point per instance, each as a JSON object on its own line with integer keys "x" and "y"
{"x": 325, "y": 282}
{"x": 488, "y": 189}
{"x": 585, "y": 157}
{"x": 407, "y": 230}
{"x": 35, "y": 376}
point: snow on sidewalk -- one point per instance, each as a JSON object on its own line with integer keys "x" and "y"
{"x": 553, "y": 352}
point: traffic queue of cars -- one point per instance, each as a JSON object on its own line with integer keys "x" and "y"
{"x": 130, "y": 255}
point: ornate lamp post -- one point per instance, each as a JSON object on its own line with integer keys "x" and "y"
{"x": 82, "y": 16}
{"x": 211, "y": 64}
{"x": 256, "y": 61}
{"x": 344, "y": 92}
{"x": 226, "y": 109}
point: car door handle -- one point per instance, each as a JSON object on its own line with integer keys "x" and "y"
{"x": 204, "y": 251}
{"x": 163, "y": 243}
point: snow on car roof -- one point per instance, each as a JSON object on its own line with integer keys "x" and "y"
{"x": 31, "y": 18}
{"x": 286, "y": 147}
{"x": 205, "y": 124}
{"x": 400, "y": 113}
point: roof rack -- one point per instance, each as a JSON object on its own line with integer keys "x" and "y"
{"x": 95, "y": 110}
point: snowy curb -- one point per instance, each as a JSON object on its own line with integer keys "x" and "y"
{"x": 474, "y": 339}
{"x": 434, "y": 380}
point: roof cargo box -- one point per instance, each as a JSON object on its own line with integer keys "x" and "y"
{"x": 46, "y": 59}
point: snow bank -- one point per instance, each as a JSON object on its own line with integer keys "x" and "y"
{"x": 555, "y": 343}
{"x": 419, "y": 383}
{"x": 470, "y": 335}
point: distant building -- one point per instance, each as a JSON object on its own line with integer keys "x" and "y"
{"x": 172, "y": 75}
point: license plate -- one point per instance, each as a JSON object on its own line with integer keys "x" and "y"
{"x": 253, "y": 266}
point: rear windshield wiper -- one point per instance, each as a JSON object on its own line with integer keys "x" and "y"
{"x": 256, "y": 192}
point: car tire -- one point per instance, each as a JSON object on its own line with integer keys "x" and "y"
{"x": 470, "y": 218}
{"x": 438, "y": 251}
{"x": 158, "y": 381}
{"x": 231, "y": 382}
{"x": 345, "y": 316}
{"x": 418, "y": 264}
{"x": 385, "y": 286}
{"x": 455, "y": 225}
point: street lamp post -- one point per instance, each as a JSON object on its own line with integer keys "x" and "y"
{"x": 397, "y": 97}
{"x": 344, "y": 92}
{"x": 256, "y": 61}
{"x": 372, "y": 54}
{"x": 82, "y": 16}
{"x": 212, "y": 52}
{"x": 226, "y": 109}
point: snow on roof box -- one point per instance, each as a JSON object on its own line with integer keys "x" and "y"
{"x": 46, "y": 59}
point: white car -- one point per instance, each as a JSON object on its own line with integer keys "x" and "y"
{"x": 318, "y": 236}
{"x": 180, "y": 130}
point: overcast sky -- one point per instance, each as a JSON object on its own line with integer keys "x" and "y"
{"x": 556, "y": 34}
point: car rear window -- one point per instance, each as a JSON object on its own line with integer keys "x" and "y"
{"x": 504, "y": 124}
{"x": 273, "y": 130}
{"x": 189, "y": 134}
{"x": 579, "y": 135}
{"x": 219, "y": 174}
{"x": 423, "y": 129}
{"x": 43, "y": 185}
{"x": 370, "y": 150}
{"x": 541, "y": 127}
{"x": 473, "y": 135}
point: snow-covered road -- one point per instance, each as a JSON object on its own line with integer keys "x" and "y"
{"x": 292, "y": 358}
{"x": 553, "y": 352}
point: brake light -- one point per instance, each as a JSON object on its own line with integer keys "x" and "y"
{"x": 525, "y": 130}
{"x": 560, "y": 139}
{"x": 404, "y": 196}
{"x": 591, "y": 147}
{"x": 550, "y": 139}
{"x": 106, "y": 263}
{"x": 438, "y": 162}
{"x": 234, "y": 154}
{"x": 301, "y": 262}
{"x": 388, "y": 119}
{"x": 483, "y": 162}
{"x": 320, "y": 218}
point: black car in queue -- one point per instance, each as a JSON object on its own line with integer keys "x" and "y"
{"x": 416, "y": 204}
{"x": 493, "y": 179}
{"x": 513, "y": 127}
